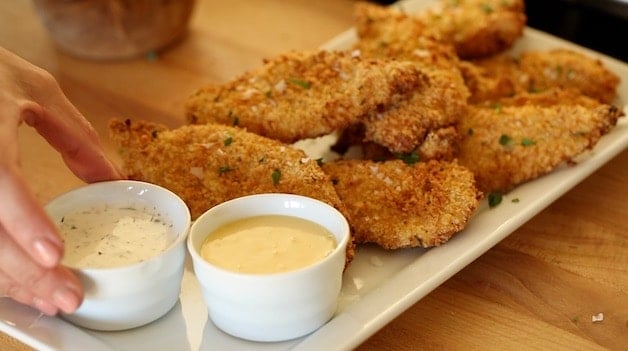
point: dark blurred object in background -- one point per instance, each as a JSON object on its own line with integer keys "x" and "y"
{"x": 600, "y": 25}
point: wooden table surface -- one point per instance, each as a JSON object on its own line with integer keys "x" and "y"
{"x": 537, "y": 289}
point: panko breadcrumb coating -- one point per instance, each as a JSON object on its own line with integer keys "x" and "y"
{"x": 438, "y": 102}
{"x": 548, "y": 97}
{"x": 302, "y": 95}
{"x": 564, "y": 68}
{"x": 502, "y": 76}
{"x": 508, "y": 145}
{"x": 398, "y": 205}
{"x": 209, "y": 164}
{"x": 476, "y": 28}
{"x": 493, "y": 78}
{"x": 403, "y": 127}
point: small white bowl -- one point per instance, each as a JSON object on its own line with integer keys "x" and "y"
{"x": 278, "y": 306}
{"x": 138, "y": 293}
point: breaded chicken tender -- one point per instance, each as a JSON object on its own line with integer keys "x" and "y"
{"x": 435, "y": 104}
{"x": 209, "y": 164}
{"x": 491, "y": 79}
{"x": 302, "y": 95}
{"x": 399, "y": 205}
{"x": 476, "y": 28}
{"x": 439, "y": 144}
{"x": 404, "y": 127}
{"x": 494, "y": 78}
{"x": 549, "y": 97}
{"x": 509, "y": 145}
{"x": 569, "y": 69}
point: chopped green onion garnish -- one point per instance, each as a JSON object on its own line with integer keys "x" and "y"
{"x": 276, "y": 175}
{"x": 408, "y": 158}
{"x": 302, "y": 83}
{"x": 505, "y": 139}
{"x": 494, "y": 199}
{"x": 527, "y": 142}
{"x": 224, "y": 169}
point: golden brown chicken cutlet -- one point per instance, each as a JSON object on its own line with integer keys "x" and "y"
{"x": 438, "y": 102}
{"x": 569, "y": 69}
{"x": 209, "y": 164}
{"x": 302, "y": 95}
{"x": 404, "y": 127}
{"x": 398, "y": 205}
{"x": 509, "y": 145}
{"x": 548, "y": 97}
{"x": 502, "y": 76}
{"x": 439, "y": 144}
{"x": 491, "y": 79}
{"x": 476, "y": 28}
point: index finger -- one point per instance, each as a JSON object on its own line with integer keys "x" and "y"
{"x": 65, "y": 129}
{"x": 41, "y": 103}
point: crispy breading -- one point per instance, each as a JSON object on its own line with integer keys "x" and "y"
{"x": 439, "y": 144}
{"x": 302, "y": 95}
{"x": 476, "y": 28}
{"x": 389, "y": 32}
{"x": 209, "y": 164}
{"x": 569, "y": 69}
{"x": 548, "y": 97}
{"x": 437, "y": 102}
{"x": 403, "y": 128}
{"x": 510, "y": 145}
{"x": 494, "y": 78}
{"x": 397, "y": 205}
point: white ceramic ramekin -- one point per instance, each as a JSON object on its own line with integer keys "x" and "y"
{"x": 133, "y": 295}
{"x": 271, "y": 307}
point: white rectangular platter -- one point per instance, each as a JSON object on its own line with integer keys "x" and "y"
{"x": 378, "y": 286}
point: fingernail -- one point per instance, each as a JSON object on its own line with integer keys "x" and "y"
{"x": 66, "y": 299}
{"x": 47, "y": 253}
{"x": 45, "y": 307}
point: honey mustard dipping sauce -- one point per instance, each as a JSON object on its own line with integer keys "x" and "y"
{"x": 267, "y": 244}
{"x": 109, "y": 236}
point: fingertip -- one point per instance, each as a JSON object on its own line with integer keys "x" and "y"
{"x": 45, "y": 307}
{"x": 67, "y": 299}
{"x": 46, "y": 252}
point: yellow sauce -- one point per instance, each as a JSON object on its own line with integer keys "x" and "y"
{"x": 267, "y": 244}
{"x": 110, "y": 236}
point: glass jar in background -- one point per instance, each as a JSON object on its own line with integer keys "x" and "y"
{"x": 114, "y": 29}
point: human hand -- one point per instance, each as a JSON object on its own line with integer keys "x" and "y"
{"x": 30, "y": 246}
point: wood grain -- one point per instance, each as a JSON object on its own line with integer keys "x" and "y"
{"x": 537, "y": 289}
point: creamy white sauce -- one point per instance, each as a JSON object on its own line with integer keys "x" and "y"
{"x": 112, "y": 236}
{"x": 267, "y": 244}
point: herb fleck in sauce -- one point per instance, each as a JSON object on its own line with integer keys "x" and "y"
{"x": 113, "y": 236}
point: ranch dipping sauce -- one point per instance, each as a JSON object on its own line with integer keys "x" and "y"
{"x": 111, "y": 236}
{"x": 267, "y": 244}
